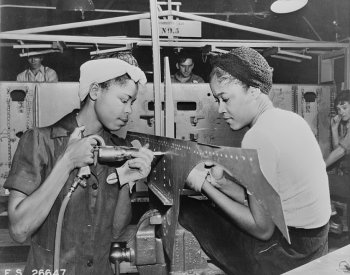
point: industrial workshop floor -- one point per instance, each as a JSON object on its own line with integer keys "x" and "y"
{"x": 13, "y": 255}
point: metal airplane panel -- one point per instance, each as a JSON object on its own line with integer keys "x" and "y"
{"x": 168, "y": 175}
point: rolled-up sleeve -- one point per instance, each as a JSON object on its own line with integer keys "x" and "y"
{"x": 27, "y": 164}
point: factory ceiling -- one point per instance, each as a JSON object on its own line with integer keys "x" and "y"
{"x": 320, "y": 20}
{"x": 323, "y": 22}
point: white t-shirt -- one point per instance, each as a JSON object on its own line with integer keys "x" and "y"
{"x": 292, "y": 162}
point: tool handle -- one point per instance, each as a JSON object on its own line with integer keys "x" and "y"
{"x": 84, "y": 172}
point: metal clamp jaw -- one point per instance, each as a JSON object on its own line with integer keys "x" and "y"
{"x": 119, "y": 253}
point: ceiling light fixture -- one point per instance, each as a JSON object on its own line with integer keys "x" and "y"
{"x": 76, "y": 5}
{"x": 287, "y": 6}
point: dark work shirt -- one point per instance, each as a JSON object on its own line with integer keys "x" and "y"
{"x": 90, "y": 215}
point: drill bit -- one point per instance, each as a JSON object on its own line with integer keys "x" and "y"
{"x": 159, "y": 153}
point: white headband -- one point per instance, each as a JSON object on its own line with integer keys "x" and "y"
{"x": 101, "y": 70}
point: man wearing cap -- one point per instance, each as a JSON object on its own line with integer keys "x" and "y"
{"x": 47, "y": 161}
{"x": 37, "y": 72}
{"x": 238, "y": 234}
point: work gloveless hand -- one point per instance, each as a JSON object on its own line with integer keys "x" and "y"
{"x": 136, "y": 168}
{"x": 79, "y": 151}
{"x": 217, "y": 177}
{"x": 335, "y": 121}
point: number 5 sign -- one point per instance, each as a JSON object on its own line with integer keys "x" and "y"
{"x": 180, "y": 28}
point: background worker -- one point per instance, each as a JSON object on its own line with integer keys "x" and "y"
{"x": 37, "y": 72}
{"x": 340, "y": 125}
{"x": 185, "y": 65}
{"x": 47, "y": 161}
{"x": 238, "y": 234}
{"x": 339, "y": 181}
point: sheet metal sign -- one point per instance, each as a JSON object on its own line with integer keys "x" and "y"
{"x": 180, "y": 28}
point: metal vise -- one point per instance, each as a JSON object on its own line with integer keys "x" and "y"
{"x": 145, "y": 250}
{"x": 160, "y": 245}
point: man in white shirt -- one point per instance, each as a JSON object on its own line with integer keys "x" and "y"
{"x": 37, "y": 72}
{"x": 238, "y": 234}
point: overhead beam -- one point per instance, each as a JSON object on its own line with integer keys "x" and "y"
{"x": 178, "y": 43}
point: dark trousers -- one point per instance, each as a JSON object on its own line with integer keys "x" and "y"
{"x": 339, "y": 185}
{"x": 237, "y": 252}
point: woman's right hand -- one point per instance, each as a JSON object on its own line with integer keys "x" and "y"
{"x": 335, "y": 122}
{"x": 80, "y": 151}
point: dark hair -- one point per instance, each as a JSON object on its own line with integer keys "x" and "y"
{"x": 342, "y": 97}
{"x": 183, "y": 55}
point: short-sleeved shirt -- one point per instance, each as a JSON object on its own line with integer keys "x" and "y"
{"x": 89, "y": 217}
{"x": 193, "y": 79}
{"x": 45, "y": 74}
{"x": 291, "y": 160}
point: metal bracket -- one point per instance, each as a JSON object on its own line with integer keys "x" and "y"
{"x": 194, "y": 120}
{"x": 149, "y": 118}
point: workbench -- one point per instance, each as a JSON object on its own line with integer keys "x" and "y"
{"x": 330, "y": 264}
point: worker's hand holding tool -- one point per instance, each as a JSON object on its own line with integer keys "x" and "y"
{"x": 136, "y": 168}
{"x": 80, "y": 151}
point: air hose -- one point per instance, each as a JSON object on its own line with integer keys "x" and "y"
{"x": 78, "y": 180}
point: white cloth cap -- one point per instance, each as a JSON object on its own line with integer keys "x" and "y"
{"x": 101, "y": 70}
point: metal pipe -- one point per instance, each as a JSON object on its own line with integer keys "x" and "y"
{"x": 89, "y": 23}
{"x": 111, "y": 50}
{"x": 347, "y": 68}
{"x": 167, "y": 3}
{"x": 156, "y": 68}
{"x": 285, "y": 58}
{"x": 294, "y": 54}
{"x": 178, "y": 43}
{"x": 169, "y": 119}
{"x": 54, "y": 8}
{"x": 33, "y": 46}
{"x": 38, "y": 53}
{"x": 169, "y": 8}
{"x": 28, "y": 7}
{"x": 70, "y": 38}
